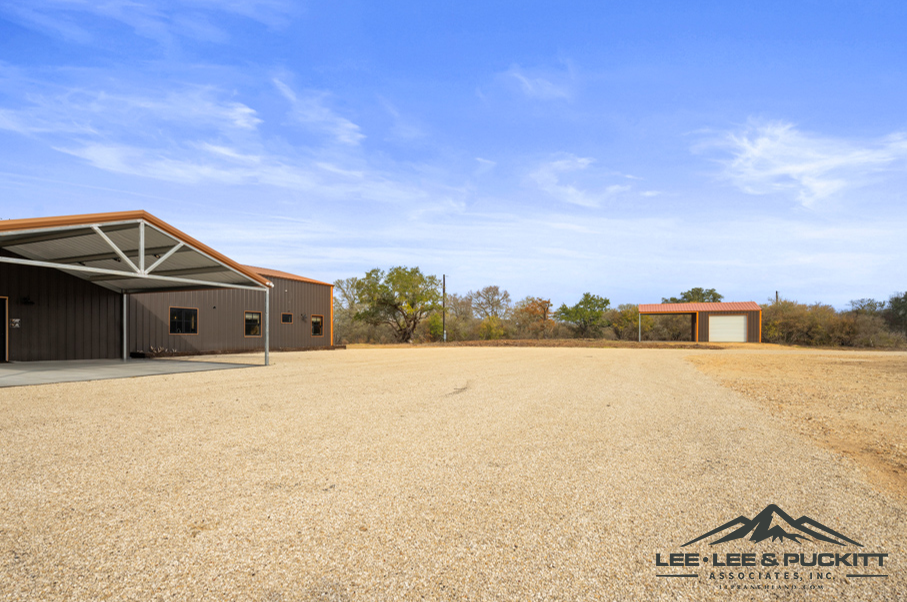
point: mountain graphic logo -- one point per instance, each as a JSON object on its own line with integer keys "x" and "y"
{"x": 775, "y": 524}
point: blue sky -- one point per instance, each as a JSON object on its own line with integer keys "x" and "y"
{"x": 633, "y": 150}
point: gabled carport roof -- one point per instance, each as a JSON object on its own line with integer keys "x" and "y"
{"x": 691, "y": 308}
{"x": 127, "y": 252}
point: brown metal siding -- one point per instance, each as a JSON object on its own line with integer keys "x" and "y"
{"x": 299, "y": 298}
{"x": 221, "y": 326}
{"x": 69, "y": 319}
{"x": 752, "y": 324}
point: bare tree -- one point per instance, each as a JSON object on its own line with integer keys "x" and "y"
{"x": 490, "y": 302}
{"x": 347, "y": 292}
{"x": 459, "y": 306}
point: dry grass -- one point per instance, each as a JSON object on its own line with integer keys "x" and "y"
{"x": 583, "y": 343}
{"x": 854, "y": 403}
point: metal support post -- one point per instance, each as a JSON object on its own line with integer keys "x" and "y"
{"x": 142, "y": 247}
{"x": 125, "y": 326}
{"x": 267, "y": 326}
{"x": 639, "y": 321}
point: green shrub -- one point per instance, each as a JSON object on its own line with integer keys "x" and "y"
{"x": 491, "y": 329}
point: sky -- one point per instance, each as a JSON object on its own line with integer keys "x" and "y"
{"x": 629, "y": 149}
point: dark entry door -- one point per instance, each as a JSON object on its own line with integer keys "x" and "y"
{"x": 4, "y": 329}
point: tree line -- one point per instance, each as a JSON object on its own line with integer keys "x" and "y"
{"x": 404, "y": 305}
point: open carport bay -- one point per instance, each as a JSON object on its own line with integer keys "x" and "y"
{"x": 21, "y": 374}
{"x": 443, "y": 473}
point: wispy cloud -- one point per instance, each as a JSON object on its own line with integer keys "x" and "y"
{"x": 230, "y": 153}
{"x": 776, "y": 157}
{"x": 163, "y": 21}
{"x": 84, "y": 111}
{"x": 231, "y": 166}
{"x": 27, "y": 122}
{"x": 542, "y": 85}
{"x": 485, "y": 165}
{"x": 157, "y": 164}
{"x": 549, "y": 178}
{"x": 404, "y": 128}
{"x": 310, "y": 111}
{"x": 195, "y": 134}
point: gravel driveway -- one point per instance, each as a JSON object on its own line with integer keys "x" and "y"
{"x": 423, "y": 473}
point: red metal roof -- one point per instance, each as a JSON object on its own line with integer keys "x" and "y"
{"x": 278, "y": 274}
{"x": 688, "y": 308}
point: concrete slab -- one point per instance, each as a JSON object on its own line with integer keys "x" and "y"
{"x": 20, "y": 374}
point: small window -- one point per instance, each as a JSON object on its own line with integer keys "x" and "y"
{"x": 183, "y": 320}
{"x": 286, "y": 318}
{"x": 317, "y": 326}
{"x": 253, "y": 323}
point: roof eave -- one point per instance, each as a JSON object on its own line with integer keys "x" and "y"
{"x": 65, "y": 221}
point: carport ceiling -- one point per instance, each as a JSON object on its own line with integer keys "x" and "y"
{"x": 127, "y": 252}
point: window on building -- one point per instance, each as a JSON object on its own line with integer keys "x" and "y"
{"x": 253, "y": 323}
{"x": 183, "y": 320}
{"x": 286, "y": 318}
{"x": 317, "y": 326}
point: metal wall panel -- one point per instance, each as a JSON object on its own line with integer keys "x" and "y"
{"x": 221, "y": 325}
{"x": 60, "y": 317}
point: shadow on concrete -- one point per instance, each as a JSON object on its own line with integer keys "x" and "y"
{"x": 22, "y": 374}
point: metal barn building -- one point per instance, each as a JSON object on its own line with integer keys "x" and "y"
{"x": 105, "y": 286}
{"x": 714, "y": 322}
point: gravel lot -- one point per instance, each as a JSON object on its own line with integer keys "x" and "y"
{"x": 422, "y": 473}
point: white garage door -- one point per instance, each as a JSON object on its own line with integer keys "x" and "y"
{"x": 727, "y": 329}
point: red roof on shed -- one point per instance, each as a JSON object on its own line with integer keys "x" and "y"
{"x": 688, "y": 308}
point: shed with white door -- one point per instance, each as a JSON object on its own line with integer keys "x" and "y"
{"x": 739, "y": 322}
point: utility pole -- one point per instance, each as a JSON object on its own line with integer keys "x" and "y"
{"x": 444, "y": 305}
{"x": 776, "y": 296}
